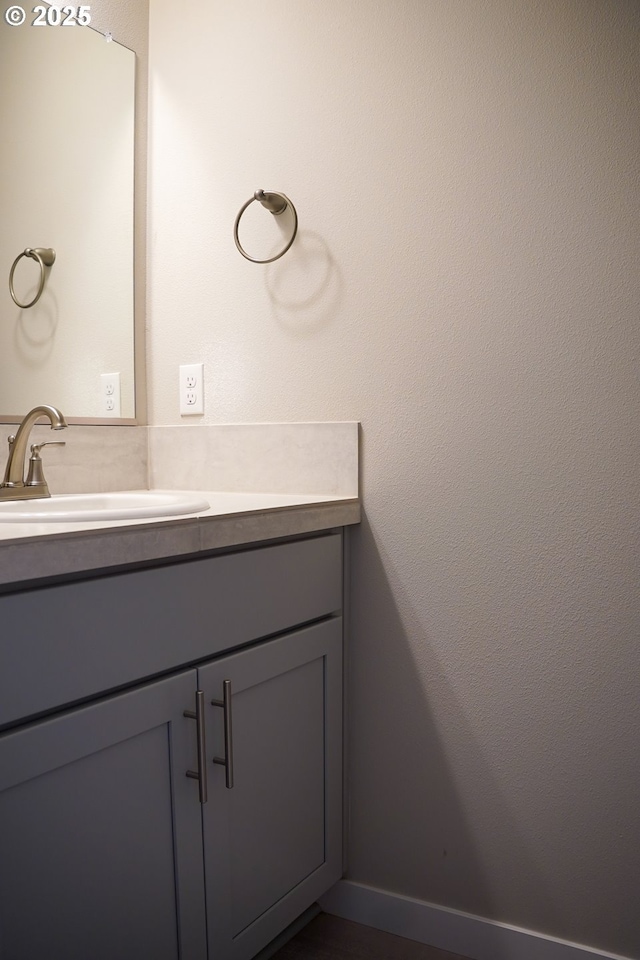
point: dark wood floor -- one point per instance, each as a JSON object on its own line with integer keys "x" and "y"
{"x": 330, "y": 938}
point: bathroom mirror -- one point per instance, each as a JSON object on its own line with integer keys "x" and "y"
{"x": 67, "y": 98}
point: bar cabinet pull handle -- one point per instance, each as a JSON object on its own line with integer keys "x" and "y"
{"x": 227, "y": 760}
{"x": 201, "y": 774}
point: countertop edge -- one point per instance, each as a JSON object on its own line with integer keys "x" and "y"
{"x": 84, "y": 551}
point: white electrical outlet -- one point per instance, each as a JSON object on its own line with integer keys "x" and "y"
{"x": 110, "y": 394}
{"x": 191, "y": 389}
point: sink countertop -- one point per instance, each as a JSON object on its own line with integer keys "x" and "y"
{"x": 31, "y": 551}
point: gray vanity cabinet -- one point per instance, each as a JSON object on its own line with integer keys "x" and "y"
{"x": 98, "y": 833}
{"x": 272, "y": 840}
{"x": 106, "y": 850}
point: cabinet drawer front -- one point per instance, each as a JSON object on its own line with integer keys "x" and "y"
{"x": 64, "y": 643}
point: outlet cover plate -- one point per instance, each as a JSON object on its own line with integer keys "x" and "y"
{"x": 110, "y": 394}
{"x": 191, "y": 378}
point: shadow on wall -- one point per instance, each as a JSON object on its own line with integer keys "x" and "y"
{"x": 419, "y": 782}
{"x": 305, "y": 286}
{"x": 35, "y": 330}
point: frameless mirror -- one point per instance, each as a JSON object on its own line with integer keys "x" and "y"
{"x": 66, "y": 183}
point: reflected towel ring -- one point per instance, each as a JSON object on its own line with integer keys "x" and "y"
{"x": 275, "y": 203}
{"x": 46, "y": 258}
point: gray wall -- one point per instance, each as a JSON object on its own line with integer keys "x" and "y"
{"x": 466, "y": 284}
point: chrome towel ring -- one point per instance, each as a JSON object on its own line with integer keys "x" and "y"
{"x": 275, "y": 203}
{"x": 46, "y": 258}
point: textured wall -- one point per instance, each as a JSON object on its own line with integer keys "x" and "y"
{"x": 466, "y": 284}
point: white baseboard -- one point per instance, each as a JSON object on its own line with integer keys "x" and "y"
{"x": 447, "y": 929}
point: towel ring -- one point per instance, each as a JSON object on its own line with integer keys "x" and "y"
{"x": 275, "y": 203}
{"x": 46, "y": 258}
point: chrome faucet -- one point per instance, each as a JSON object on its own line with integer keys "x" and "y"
{"x": 14, "y": 486}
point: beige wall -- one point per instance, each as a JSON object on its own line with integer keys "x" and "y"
{"x": 466, "y": 284}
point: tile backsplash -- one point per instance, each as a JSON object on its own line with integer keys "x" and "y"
{"x": 317, "y": 458}
{"x": 95, "y": 459}
{"x": 304, "y": 458}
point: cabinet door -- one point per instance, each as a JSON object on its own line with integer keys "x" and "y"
{"x": 273, "y": 841}
{"x": 100, "y": 832}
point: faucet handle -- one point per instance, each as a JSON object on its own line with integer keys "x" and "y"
{"x": 35, "y": 476}
{"x": 10, "y": 440}
{"x": 37, "y": 447}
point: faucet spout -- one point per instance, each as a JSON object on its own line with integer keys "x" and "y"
{"x": 14, "y": 473}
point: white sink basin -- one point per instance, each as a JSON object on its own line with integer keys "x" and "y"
{"x": 79, "y": 507}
